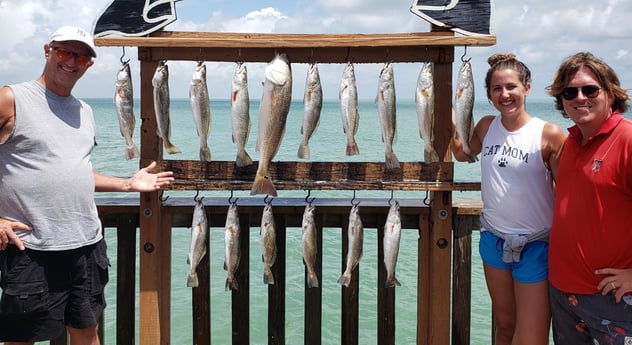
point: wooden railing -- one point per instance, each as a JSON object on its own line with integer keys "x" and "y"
{"x": 123, "y": 216}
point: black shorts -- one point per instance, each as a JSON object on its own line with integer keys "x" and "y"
{"x": 44, "y": 291}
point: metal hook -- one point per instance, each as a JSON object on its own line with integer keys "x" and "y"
{"x": 122, "y": 56}
{"x": 390, "y": 201}
{"x": 197, "y": 194}
{"x": 266, "y": 201}
{"x": 463, "y": 56}
{"x": 307, "y": 200}
{"x": 426, "y": 199}
{"x": 354, "y": 197}
{"x": 230, "y": 199}
{"x": 161, "y": 197}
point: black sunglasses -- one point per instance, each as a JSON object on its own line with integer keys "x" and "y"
{"x": 590, "y": 91}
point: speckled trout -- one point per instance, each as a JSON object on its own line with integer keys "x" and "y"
{"x": 124, "y": 102}
{"x": 385, "y": 100}
{"x": 240, "y": 114}
{"x": 201, "y": 108}
{"x": 162, "y": 103}
{"x": 232, "y": 252}
{"x": 355, "y": 235}
{"x": 198, "y": 247}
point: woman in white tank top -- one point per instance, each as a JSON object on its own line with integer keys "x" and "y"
{"x": 519, "y": 155}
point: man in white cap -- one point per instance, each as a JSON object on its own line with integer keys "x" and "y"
{"x": 53, "y": 258}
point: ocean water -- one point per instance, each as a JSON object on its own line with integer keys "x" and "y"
{"x": 328, "y": 144}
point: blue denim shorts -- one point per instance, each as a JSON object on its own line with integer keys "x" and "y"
{"x": 534, "y": 259}
{"x": 44, "y": 291}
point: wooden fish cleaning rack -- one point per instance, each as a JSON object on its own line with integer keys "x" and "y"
{"x": 436, "y": 46}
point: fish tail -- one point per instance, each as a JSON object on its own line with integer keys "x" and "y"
{"x": 263, "y": 185}
{"x": 205, "y": 154}
{"x": 391, "y": 160}
{"x": 392, "y": 282}
{"x": 312, "y": 279}
{"x": 268, "y": 277}
{"x": 131, "y": 152}
{"x": 303, "y": 151}
{"x": 192, "y": 280}
{"x": 345, "y": 279}
{"x": 171, "y": 148}
{"x": 352, "y": 148}
{"x": 430, "y": 154}
{"x": 243, "y": 159}
{"x": 231, "y": 283}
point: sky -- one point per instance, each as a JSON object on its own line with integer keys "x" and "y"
{"x": 540, "y": 32}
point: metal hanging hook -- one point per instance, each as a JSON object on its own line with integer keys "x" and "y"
{"x": 426, "y": 200}
{"x": 122, "y": 56}
{"x": 463, "y": 56}
{"x": 161, "y": 198}
{"x": 307, "y": 200}
{"x": 197, "y": 195}
{"x": 266, "y": 201}
{"x": 354, "y": 197}
{"x": 390, "y": 201}
{"x": 230, "y": 199}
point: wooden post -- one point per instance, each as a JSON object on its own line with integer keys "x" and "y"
{"x": 154, "y": 267}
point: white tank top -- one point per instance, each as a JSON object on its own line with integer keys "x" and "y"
{"x": 516, "y": 186}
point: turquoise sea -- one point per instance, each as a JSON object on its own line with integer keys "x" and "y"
{"x": 328, "y": 144}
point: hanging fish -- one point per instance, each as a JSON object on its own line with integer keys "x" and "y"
{"x": 348, "y": 95}
{"x": 201, "y": 107}
{"x": 124, "y": 101}
{"x": 385, "y": 101}
{"x": 240, "y": 114}
{"x": 464, "y": 104}
{"x": 268, "y": 242}
{"x": 198, "y": 247}
{"x": 312, "y": 104}
{"x": 273, "y": 110}
{"x": 160, "y": 83}
{"x": 310, "y": 245}
{"x": 232, "y": 252}
{"x": 355, "y": 236}
{"x": 392, "y": 236}
{"x": 424, "y": 104}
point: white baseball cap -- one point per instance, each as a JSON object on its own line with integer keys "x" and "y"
{"x": 73, "y": 33}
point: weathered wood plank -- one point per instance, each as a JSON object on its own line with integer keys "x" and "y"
{"x": 225, "y": 175}
{"x": 169, "y": 39}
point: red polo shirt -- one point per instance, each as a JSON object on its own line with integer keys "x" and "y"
{"x": 592, "y": 222}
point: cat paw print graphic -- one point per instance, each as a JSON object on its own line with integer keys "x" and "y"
{"x": 502, "y": 162}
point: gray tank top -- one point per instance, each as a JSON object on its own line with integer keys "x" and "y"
{"x": 46, "y": 177}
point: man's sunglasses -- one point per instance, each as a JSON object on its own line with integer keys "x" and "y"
{"x": 65, "y": 55}
{"x": 590, "y": 91}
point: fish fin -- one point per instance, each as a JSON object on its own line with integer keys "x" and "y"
{"x": 431, "y": 155}
{"x": 263, "y": 185}
{"x": 231, "y": 284}
{"x": 392, "y": 282}
{"x": 312, "y": 280}
{"x": 391, "y": 160}
{"x": 352, "y": 149}
{"x": 345, "y": 279}
{"x": 192, "y": 280}
{"x": 303, "y": 151}
{"x": 131, "y": 152}
{"x": 268, "y": 277}
{"x": 243, "y": 159}
{"x": 171, "y": 148}
{"x": 205, "y": 154}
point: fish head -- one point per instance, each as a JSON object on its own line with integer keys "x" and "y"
{"x": 124, "y": 74}
{"x": 278, "y": 71}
